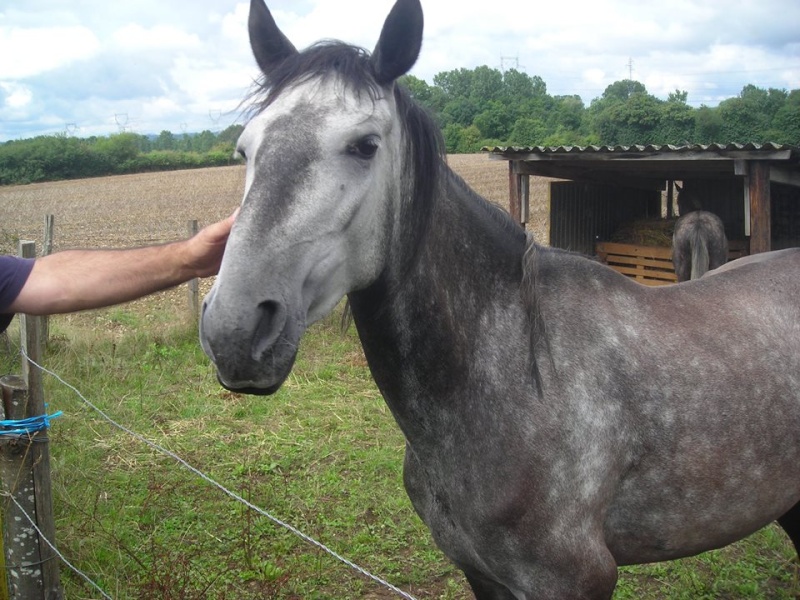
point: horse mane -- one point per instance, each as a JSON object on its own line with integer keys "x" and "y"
{"x": 351, "y": 65}
{"x": 530, "y": 300}
{"x": 538, "y": 273}
{"x": 487, "y": 209}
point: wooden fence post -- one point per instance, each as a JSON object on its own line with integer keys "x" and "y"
{"x": 49, "y": 229}
{"x": 31, "y": 563}
{"x": 47, "y": 248}
{"x": 194, "y": 284}
{"x": 20, "y": 540}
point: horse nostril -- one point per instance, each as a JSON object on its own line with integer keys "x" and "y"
{"x": 269, "y": 328}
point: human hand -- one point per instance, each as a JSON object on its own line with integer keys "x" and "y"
{"x": 204, "y": 251}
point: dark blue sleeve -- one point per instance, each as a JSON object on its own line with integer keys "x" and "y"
{"x": 14, "y": 272}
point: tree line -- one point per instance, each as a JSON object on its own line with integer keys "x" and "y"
{"x": 474, "y": 107}
{"x": 486, "y": 107}
{"x": 55, "y": 157}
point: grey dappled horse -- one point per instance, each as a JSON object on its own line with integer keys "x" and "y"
{"x": 698, "y": 244}
{"x": 560, "y": 419}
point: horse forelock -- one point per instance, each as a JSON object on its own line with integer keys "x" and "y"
{"x": 347, "y": 63}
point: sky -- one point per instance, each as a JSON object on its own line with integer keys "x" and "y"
{"x": 97, "y": 67}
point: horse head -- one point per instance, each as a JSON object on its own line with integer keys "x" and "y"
{"x": 322, "y": 194}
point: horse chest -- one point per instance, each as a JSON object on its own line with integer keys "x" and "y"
{"x": 483, "y": 502}
{"x": 453, "y": 506}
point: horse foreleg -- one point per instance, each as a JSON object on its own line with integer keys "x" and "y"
{"x": 791, "y": 525}
{"x": 580, "y": 578}
{"x": 485, "y": 589}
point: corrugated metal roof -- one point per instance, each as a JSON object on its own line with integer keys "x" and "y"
{"x": 648, "y": 165}
{"x": 647, "y": 149}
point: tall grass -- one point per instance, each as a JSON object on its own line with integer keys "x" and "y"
{"x": 323, "y": 454}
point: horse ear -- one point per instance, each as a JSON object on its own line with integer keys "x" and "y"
{"x": 401, "y": 39}
{"x": 270, "y": 46}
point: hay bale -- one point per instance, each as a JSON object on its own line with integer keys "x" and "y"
{"x": 646, "y": 232}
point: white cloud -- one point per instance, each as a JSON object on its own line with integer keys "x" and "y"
{"x": 164, "y": 37}
{"x": 31, "y": 51}
{"x": 16, "y": 96}
{"x": 169, "y": 63}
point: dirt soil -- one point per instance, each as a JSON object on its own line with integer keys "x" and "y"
{"x": 151, "y": 208}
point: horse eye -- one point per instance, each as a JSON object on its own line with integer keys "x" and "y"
{"x": 364, "y": 148}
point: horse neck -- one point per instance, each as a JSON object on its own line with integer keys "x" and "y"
{"x": 419, "y": 324}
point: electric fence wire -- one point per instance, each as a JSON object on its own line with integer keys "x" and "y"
{"x": 222, "y": 488}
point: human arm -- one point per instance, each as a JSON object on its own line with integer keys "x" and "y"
{"x": 75, "y": 280}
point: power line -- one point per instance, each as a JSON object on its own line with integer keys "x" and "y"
{"x": 514, "y": 60}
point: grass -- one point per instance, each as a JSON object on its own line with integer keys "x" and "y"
{"x": 323, "y": 454}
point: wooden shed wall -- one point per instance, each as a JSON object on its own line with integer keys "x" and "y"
{"x": 725, "y": 198}
{"x": 785, "y": 216}
{"x": 581, "y": 214}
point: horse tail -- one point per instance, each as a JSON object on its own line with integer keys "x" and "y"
{"x": 699, "y": 254}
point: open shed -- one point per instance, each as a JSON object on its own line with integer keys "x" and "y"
{"x": 754, "y": 188}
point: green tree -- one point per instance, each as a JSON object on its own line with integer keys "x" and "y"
{"x": 676, "y": 122}
{"x": 119, "y": 147}
{"x": 460, "y": 110}
{"x": 418, "y": 88}
{"x": 528, "y": 132}
{"x": 678, "y": 96}
{"x": 749, "y": 116}
{"x": 470, "y": 140}
{"x": 165, "y": 141}
{"x": 231, "y": 134}
{"x": 517, "y": 85}
{"x": 626, "y": 114}
{"x": 621, "y": 91}
{"x": 454, "y": 84}
{"x": 786, "y": 124}
{"x": 569, "y": 112}
{"x": 487, "y": 85}
{"x": 707, "y": 126}
{"x": 452, "y": 134}
{"x": 495, "y": 121}
{"x": 204, "y": 141}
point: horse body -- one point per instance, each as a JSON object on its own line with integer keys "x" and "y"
{"x": 697, "y": 474}
{"x": 623, "y": 455}
{"x": 698, "y": 244}
{"x": 551, "y": 432}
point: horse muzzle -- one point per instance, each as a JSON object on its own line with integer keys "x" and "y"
{"x": 253, "y": 347}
